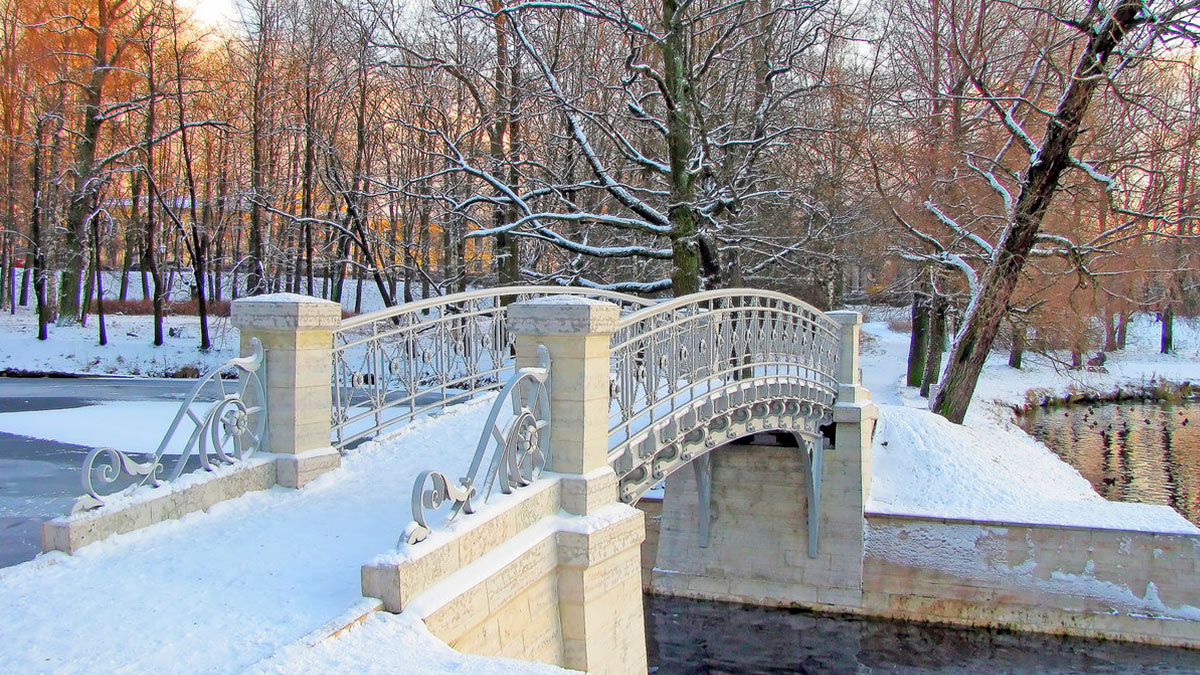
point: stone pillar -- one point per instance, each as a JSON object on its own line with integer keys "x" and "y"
{"x": 846, "y": 482}
{"x": 854, "y": 413}
{"x": 599, "y": 573}
{"x": 297, "y": 333}
{"x": 576, "y": 331}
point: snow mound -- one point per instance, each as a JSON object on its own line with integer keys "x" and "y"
{"x": 391, "y": 643}
{"x": 924, "y": 465}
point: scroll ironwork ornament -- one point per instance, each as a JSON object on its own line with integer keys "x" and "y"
{"x": 518, "y": 447}
{"x": 232, "y": 429}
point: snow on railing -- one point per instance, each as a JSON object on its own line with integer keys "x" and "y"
{"x": 223, "y": 432}
{"x": 392, "y": 365}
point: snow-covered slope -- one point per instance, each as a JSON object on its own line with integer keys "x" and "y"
{"x": 987, "y": 468}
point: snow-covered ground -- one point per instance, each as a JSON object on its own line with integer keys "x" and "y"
{"x": 242, "y": 586}
{"x": 130, "y": 349}
{"x": 224, "y": 590}
{"x": 988, "y": 468}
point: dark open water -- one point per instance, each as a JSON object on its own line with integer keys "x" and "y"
{"x": 693, "y": 637}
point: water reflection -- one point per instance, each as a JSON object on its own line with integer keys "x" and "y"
{"x": 693, "y": 637}
{"x": 1131, "y": 452}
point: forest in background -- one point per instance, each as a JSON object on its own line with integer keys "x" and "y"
{"x": 880, "y": 151}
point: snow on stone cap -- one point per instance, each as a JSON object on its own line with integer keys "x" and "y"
{"x": 565, "y": 299}
{"x": 563, "y": 315}
{"x": 285, "y": 297}
{"x": 278, "y": 311}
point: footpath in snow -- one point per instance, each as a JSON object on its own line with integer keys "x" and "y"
{"x": 228, "y": 590}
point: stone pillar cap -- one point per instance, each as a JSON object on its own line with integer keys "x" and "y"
{"x": 845, "y": 317}
{"x": 562, "y": 315}
{"x": 285, "y": 310}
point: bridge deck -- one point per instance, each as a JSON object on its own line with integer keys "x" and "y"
{"x": 223, "y": 590}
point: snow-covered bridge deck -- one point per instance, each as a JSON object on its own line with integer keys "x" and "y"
{"x": 224, "y": 590}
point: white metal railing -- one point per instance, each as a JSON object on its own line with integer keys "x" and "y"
{"x": 225, "y": 431}
{"x": 681, "y": 370}
{"x": 740, "y": 351}
{"x": 518, "y": 444}
{"x": 391, "y": 365}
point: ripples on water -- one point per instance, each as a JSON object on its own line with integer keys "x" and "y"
{"x": 693, "y": 637}
{"x": 1147, "y": 453}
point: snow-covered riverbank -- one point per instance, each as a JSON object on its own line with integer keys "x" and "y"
{"x": 988, "y": 468}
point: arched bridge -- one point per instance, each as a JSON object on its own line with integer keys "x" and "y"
{"x": 685, "y": 375}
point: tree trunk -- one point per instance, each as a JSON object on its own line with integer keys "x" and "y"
{"x": 1110, "y": 331}
{"x": 132, "y": 250}
{"x": 685, "y": 273}
{"x": 1017, "y": 351}
{"x": 37, "y": 253}
{"x": 918, "y": 343}
{"x": 1038, "y": 186}
{"x": 1166, "y": 343}
{"x": 98, "y": 267}
{"x": 937, "y": 343}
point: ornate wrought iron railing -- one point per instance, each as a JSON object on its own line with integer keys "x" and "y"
{"x": 224, "y": 431}
{"x": 689, "y": 373}
{"x": 391, "y": 365}
{"x": 518, "y": 444}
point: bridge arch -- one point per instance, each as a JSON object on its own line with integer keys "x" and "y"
{"x": 695, "y": 373}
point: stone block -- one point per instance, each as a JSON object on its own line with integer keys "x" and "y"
{"x": 514, "y": 577}
{"x": 483, "y": 639}
{"x": 486, "y": 536}
{"x": 297, "y": 470}
{"x": 419, "y": 574}
{"x": 581, "y": 495}
{"x": 382, "y": 581}
{"x": 459, "y": 615}
{"x": 70, "y": 533}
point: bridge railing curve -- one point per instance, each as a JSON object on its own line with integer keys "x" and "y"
{"x": 685, "y": 370}
{"x": 394, "y": 364}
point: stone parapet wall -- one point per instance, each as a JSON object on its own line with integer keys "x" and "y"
{"x": 529, "y": 580}
{"x": 193, "y": 492}
{"x": 1115, "y": 584}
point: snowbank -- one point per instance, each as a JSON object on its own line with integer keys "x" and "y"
{"x": 987, "y": 468}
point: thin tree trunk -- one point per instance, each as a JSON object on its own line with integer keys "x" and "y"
{"x": 37, "y": 253}
{"x": 1038, "y": 186}
{"x": 918, "y": 343}
{"x": 936, "y": 343}
{"x": 99, "y": 268}
{"x": 1166, "y": 343}
{"x": 1110, "y": 330}
{"x": 1017, "y": 352}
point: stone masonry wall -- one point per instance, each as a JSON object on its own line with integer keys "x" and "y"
{"x": 1115, "y": 584}
{"x": 758, "y": 545}
{"x": 528, "y": 581}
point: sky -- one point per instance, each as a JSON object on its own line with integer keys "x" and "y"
{"x": 212, "y": 13}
